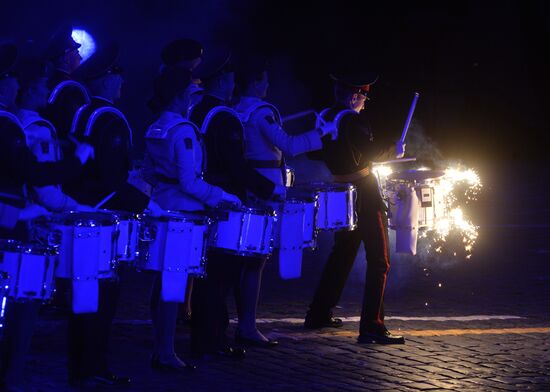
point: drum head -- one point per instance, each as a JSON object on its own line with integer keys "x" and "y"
{"x": 416, "y": 175}
{"x": 89, "y": 219}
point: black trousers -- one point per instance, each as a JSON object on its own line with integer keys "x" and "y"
{"x": 88, "y": 334}
{"x": 20, "y": 320}
{"x": 209, "y": 302}
{"x": 372, "y": 230}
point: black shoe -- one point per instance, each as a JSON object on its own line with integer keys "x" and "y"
{"x": 382, "y": 336}
{"x": 269, "y": 343}
{"x": 322, "y": 322}
{"x": 156, "y": 364}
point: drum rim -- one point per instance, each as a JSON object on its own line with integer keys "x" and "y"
{"x": 27, "y": 248}
{"x": 260, "y": 210}
{"x": 83, "y": 216}
{"x": 178, "y": 216}
{"x": 323, "y": 186}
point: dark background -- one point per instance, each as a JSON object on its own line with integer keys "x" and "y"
{"x": 480, "y": 67}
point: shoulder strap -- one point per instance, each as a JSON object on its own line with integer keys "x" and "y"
{"x": 13, "y": 118}
{"x": 76, "y": 117}
{"x": 156, "y": 132}
{"x": 321, "y": 115}
{"x": 245, "y": 116}
{"x": 214, "y": 112}
{"x": 341, "y": 115}
{"x": 68, "y": 83}
{"x": 104, "y": 110}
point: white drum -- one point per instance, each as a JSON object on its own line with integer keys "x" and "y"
{"x": 431, "y": 201}
{"x": 174, "y": 245}
{"x": 174, "y": 242}
{"x": 336, "y": 205}
{"x": 87, "y": 245}
{"x": 27, "y": 270}
{"x": 243, "y": 231}
{"x": 295, "y": 226}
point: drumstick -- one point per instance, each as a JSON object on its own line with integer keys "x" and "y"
{"x": 395, "y": 161}
{"x": 409, "y": 118}
{"x": 109, "y": 197}
{"x": 297, "y": 115}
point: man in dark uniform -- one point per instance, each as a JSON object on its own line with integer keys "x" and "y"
{"x": 227, "y": 168}
{"x": 349, "y": 160}
{"x": 66, "y": 94}
{"x": 19, "y": 166}
{"x": 104, "y": 183}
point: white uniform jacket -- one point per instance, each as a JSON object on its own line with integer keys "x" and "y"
{"x": 176, "y": 159}
{"x": 266, "y": 141}
{"x": 42, "y": 141}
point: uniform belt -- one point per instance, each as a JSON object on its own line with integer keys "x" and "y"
{"x": 352, "y": 177}
{"x": 167, "y": 180}
{"x": 265, "y": 164}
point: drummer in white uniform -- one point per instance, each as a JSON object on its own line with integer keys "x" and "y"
{"x": 41, "y": 135}
{"x": 266, "y": 144}
{"x": 175, "y": 151}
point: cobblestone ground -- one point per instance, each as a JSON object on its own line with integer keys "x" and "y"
{"x": 508, "y": 278}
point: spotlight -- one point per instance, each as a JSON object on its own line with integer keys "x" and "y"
{"x": 86, "y": 41}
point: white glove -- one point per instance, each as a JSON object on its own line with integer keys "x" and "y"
{"x": 279, "y": 192}
{"x": 84, "y": 151}
{"x": 329, "y": 128}
{"x": 399, "y": 149}
{"x": 33, "y": 211}
{"x": 85, "y": 208}
{"x": 230, "y": 198}
{"x": 154, "y": 209}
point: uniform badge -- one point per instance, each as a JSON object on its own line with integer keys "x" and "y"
{"x": 188, "y": 143}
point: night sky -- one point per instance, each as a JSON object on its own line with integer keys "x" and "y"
{"x": 479, "y": 66}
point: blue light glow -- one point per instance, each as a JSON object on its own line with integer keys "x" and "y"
{"x": 86, "y": 40}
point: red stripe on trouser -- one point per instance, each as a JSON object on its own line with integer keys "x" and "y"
{"x": 384, "y": 237}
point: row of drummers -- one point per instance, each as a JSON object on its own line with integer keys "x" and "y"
{"x": 87, "y": 246}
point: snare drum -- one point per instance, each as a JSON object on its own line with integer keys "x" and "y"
{"x": 295, "y": 226}
{"x": 27, "y": 270}
{"x": 426, "y": 183}
{"x": 336, "y": 205}
{"x": 87, "y": 243}
{"x": 175, "y": 245}
{"x": 243, "y": 231}
{"x": 174, "y": 242}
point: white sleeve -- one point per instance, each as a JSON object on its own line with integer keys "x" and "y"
{"x": 290, "y": 145}
{"x": 186, "y": 147}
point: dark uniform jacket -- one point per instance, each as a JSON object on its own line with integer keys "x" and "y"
{"x": 110, "y": 136}
{"x": 226, "y": 165}
{"x": 67, "y": 100}
{"x": 356, "y": 148}
{"x": 349, "y": 157}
